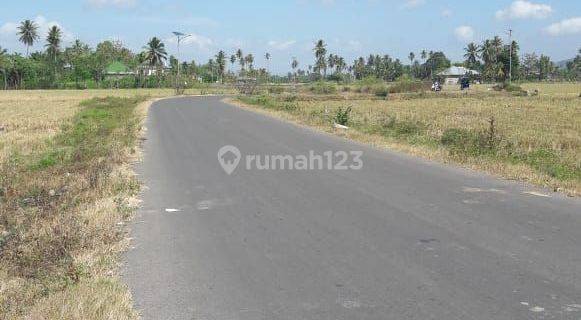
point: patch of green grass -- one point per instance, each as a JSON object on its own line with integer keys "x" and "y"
{"x": 47, "y": 218}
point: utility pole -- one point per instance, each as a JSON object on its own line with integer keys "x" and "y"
{"x": 180, "y": 36}
{"x": 510, "y": 56}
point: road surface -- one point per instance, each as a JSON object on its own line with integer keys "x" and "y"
{"x": 402, "y": 238}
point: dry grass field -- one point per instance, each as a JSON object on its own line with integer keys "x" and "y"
{"x": 532, "y": 138}
{"x": 66, "y": 190}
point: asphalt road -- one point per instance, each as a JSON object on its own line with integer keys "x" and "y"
{"x": 402, "y": 238}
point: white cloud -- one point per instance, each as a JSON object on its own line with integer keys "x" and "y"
{"x": 522, "y": 9}
{"x": 414, "y": 3}
{"x": 446, "y": 13}
{"x": 281, "y": 45}
{"x": 197, "y": 40}
{"x": 564, "y": 27}
{"x": 9, "y": 29}
{"x": 464, "y": 33}
{"x": 123, "y": 4}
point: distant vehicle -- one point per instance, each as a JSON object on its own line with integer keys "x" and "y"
{"x": 436, "y": 86}
{"x": 464, "y": 83}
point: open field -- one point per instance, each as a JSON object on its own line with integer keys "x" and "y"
{"x": 535, "y": 138}
{"x": 66, "y": 190}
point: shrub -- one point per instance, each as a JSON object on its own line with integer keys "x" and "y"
{"x": 462, "y": 141}
{"x": 408, "y": 86}
{"x": 342, "y": 116}
{"x": 381, "y": 91}
{"x": 512, "y": 88}
{"x": 391, "y": 126}
{"x": 275, "y": 89}
{"x": 321, "y": 87}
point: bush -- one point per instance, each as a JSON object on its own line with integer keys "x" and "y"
{"x": 342, "y": 116}
{"x": 512, "y": 88}
{"x": 381, "y": 91}
{"x": 321, "y": 87}
{"x": 392, "y": 127}
{"x": 409, "y": 86}
{"x": 275, "y": 89}
{"x": 462, "y": 141}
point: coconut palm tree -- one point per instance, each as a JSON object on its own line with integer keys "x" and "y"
{"x": 240, "y": 56}
{"x": 28, "y": 33}
{"x": 294, "y": 65}
{"x": 424, "y": 55}
{"x": 411, "y": 56}
{"x": 320, "y": 58}
{"x": 155, "y": 55}
{"x": 471, "y": 55}
{"x": 267, "y": 57}
{"x": 233, "y": 60}
{"x": 249, "y": 60}
{"x": 53, "y": 41}
{"x": 221, "y": 64}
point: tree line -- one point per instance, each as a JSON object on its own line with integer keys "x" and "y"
{"x": 80, "y": 66}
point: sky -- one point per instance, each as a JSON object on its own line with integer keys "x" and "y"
{"x": 289, "y": 28}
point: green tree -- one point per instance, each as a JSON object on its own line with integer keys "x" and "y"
{"x": 155, "y": 53}
{"x": 240, "y": 56}
{"x": 249, "y": 60}
{"x": 320, "y": 58}
{"x": 28, "y": 34}
{"x": 471, "y": 55}
{"x": 546, "y": 67}
{"x": 221, "y": 64}
{"x": 294, "y": 66}
{"x": 53, "y": 42}
{"x": 4, "y": 66}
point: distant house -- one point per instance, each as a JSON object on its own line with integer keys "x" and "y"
{"x": 453, "y": 74}
{"x": 117, "y": 70}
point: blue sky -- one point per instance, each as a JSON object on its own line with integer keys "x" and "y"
{"x": 288, "y": 28}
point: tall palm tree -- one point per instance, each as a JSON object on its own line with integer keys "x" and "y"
{"x": 155, "y": 55}
{"x": 28, "y": 33}
{"x": 221, "y": 64}
{"x": 424, "y": 55}
{"x": 267, "y": 57}
{"x": 294, "y": 65}
{"x": 249, "y": 59}
{"x": 233, "y": 60}
{"x": 240, "y": 56}
{"x": 53, "y": 41}
{"x": 320, "y": 61}
{"x": 411, "y": 56}
{"x": 471, "y": 55}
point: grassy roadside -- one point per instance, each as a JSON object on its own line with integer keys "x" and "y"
{"x": 62, "y": 213}
{"x": 535, "y": 139}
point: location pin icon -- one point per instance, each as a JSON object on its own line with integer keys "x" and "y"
{"x": 229, "y": 158}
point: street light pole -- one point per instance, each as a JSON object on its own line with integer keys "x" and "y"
{"x": 510, "y": 56}
{"x": 180, "y": 36}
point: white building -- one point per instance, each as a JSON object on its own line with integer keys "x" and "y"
{"x": 453, "y": 74}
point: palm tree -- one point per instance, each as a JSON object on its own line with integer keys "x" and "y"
{"x": 155, "y": 54}
{"x": 240, "y": 57}
{"x": 471, "y": 55}
{"x": 27, "y": 32}
{"x": 424, "y": 55}
{"x": 294, "y": 65}
{"x": 320, "y": 54}
{"x": 249, "y": 59}
{"x": 267, "y": 57}
{"x": 53, "y": 41}
{"x": 411, "y": 56}
{"x": 233, "y": 60}
{"x": 221, "y": 62}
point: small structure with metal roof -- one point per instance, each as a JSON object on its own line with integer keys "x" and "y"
{"x": 453, "y": 74}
